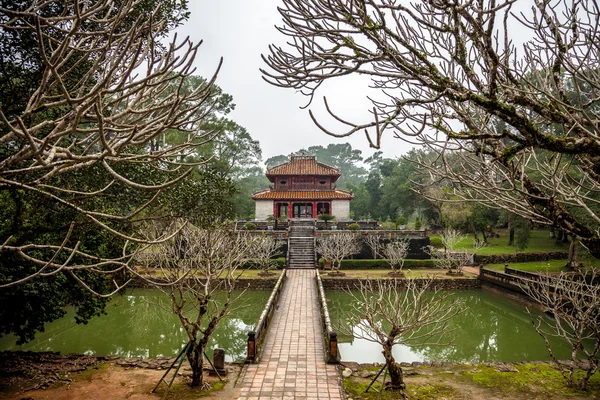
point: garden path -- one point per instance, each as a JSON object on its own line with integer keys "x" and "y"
{"x": 292, "y": 365}
{"x": 473, "y": 270}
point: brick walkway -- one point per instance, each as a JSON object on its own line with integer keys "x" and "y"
{"x": 292, "y": 364}
{"x": 473, "y": 270}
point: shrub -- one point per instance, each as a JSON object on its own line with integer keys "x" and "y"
{"x": 436, "y": 241}
{"x": 401, "y": 220}
{"x": 325, "y": 217}
{"x": 249, "y": 226}
{"x": 278, "y": 263}
{"x": 354, "y": 226}
{"x": 417, "y": 223}
{"x": 388, "y": 226}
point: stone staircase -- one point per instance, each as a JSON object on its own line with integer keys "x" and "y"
{"x": 301, "y": 244}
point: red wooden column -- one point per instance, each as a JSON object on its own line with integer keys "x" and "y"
{"x": 275, "y": 214}
{"x": 314, "y": 211}
{"x": 290, "y": 214}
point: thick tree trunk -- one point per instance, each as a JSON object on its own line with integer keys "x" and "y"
{"x": 395, "y": 371}
{"x": 197, "y": 364}
{"x": 559, "y": 236}
{"x": 475, "y": 236}
{"x": 485, "y": 237}
{"x": 511, "y": 236}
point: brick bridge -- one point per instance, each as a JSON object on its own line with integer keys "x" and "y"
{"x": 292, "y": 363}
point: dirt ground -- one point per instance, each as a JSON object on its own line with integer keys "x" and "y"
{"x": 115, "y": 382}
{"x": 48, "y": 376}
{"x": 41, "y": 376}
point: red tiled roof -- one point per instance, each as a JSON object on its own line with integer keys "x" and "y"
{"x": 270, "y": 194}
{"x": 303, "y": 165}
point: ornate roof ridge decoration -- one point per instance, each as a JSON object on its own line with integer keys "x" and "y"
{"x": 303, "y": 165}
{"x": 333, "y": 194}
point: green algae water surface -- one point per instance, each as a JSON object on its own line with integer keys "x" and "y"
{"x": 139, "y": 324}
{"x": 491, "y": 328}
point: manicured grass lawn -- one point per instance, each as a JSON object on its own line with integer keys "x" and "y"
{"x": 534, "y": 266}
{"x": 539, "y": 241}
{"x": 551, "y": 266}
{"x": 383, "y": 274}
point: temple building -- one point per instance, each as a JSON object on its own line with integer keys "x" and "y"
{"x": 302, "y": 188}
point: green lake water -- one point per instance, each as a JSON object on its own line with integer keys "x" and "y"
{"x": 491, "y": 328}
{"x": 138, "y": 324}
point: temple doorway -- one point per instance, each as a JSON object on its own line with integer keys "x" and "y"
{"x": 302, "y": 210}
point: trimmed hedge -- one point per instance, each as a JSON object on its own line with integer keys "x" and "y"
{"x": 382, "y": 264}
{"x": 436, "y": 241}
{"x": 279, "y": 263}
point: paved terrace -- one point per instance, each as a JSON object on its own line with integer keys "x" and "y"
{"x": 292, "y": 363}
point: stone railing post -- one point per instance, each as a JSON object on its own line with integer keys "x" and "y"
{"x": 251, "y": 354}
{"x": 333, "y": 347}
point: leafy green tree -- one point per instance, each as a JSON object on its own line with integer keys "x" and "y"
{"x": 483, "y": 218}
{"x": 401, "y": 179}
{"x": 519, "y": 229}
{"x": 343, "y": 157}
{"x": 276, "y": 160}
{"x": 360, "y": 204}
{"x": 373, "y": 188}
{"x": 248, "y": 181}
{"x": 80, "y": 161}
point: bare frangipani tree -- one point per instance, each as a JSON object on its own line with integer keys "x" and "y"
{"x": 452, "y": 259}
{"x": 375, "y": 244}
{"x": 393, "y": 312}
{"x": 503, "y": 93}
{"x": 108, "y": 91}
{"x": 207, "y": 270}
{"x": 263, "y": 249}
{"x": 395, "y": 253}
{"x": 334, "y": 247}
{"x": 573, "y": 301}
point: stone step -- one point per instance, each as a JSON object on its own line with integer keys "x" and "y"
{"x": 301, "y": 244}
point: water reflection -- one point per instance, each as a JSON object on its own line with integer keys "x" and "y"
{"x": 491, "y": 328}
{"x": 139, "y": 324}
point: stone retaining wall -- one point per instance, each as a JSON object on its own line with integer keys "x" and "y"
{"x": 519, "y": 257}
{"x": 353, "y": 283}
{"x": 240, "y": 284}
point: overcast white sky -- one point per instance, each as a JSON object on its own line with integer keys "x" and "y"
{"x": 240, "y": 31}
